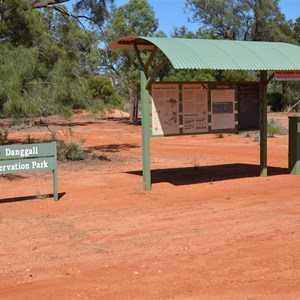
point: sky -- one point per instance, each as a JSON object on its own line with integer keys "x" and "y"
{"x": 170, "y": 13}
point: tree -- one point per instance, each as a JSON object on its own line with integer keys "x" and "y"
{"x": 95, "y": 11}
{"x": 46, "y": 63}
{"x": 255, "y": 20}
{"x": 136, "y": 17}
{"x": 296, "y": 30}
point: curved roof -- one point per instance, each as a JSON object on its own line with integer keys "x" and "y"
{"x": 218, "y": 54}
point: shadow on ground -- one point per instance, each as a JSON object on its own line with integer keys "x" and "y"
{"x": 186, "y": 176}
{"x": 71, "y": 124}
{"x": 113, "y": 147}
{"x": 27, "y": 198}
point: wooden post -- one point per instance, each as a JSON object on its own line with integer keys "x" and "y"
{"x": 263, "y": 123}
{"x": 145, "y": 132}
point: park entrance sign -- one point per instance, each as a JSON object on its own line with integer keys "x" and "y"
{"x": 203, "y": 107}
{"x": 30, "y": 158}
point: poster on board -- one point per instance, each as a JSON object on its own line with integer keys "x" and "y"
{"x": 165, "y": 109}
{"x": 222, "y": 109}
{"x": 195, "y": 107}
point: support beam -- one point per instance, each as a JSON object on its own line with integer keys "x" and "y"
{"x": 156, "y": 72}
{"x": 270, "y": 78}
{"x": 145, "y": 132}
{"x": 263, "y": 123}
{"x": 137, "y": 52}
{"x": 150, "y": 59}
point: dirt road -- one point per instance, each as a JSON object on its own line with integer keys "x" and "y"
{"x": 211, "y": 228}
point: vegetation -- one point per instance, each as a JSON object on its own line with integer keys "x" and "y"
{"x": 275, "y": 127}
{"x": 54, "y": 61}
{"x": 70, "y": 150}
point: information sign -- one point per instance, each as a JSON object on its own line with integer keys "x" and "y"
{"x": 30, "y": 158}
{"x": 195, "y": 107}
{"x": 222, "y": 109}
{"x": 248, "y": 95}
{"x": 165, "y": 109}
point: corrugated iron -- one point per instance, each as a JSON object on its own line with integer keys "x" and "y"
{"x": 218, "y": 54}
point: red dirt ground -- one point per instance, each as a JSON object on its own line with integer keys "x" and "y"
{"x": 211, "y": 228}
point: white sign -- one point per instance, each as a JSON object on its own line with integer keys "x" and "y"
{"x": 22, "y": 152}
{"x": 195, "y": 107}
{"x": 287, "y": 75}
{"x": 165, "y": 109}
{"x": 222, "y": 109}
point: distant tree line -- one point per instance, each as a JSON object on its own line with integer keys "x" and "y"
{"x": 54, "y": 60}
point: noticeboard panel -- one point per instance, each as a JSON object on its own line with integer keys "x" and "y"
{"x": 165, "y": 109}
{"x": 248, "y": 106}
{"x": 223, "y": 113}
{"x": 195, "y": 108}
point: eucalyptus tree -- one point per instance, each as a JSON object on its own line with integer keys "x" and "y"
{"x": 95, "y": 11}
{"x": 135, "y": 18}
{"x": 255, "y": 20}
{"x": 46, "y": 62}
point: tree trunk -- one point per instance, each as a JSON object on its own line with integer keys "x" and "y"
{"x": 137, "y": 97}
{"x": 284, "y": 99}
{"x": 132, "y": 104}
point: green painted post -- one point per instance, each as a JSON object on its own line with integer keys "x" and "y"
{"x": 145, "y": 132}
{"x": 263, "y": 124}
{"x": 55, "y": 188}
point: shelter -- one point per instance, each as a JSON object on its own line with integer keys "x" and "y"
{"x": 209, "y": 54}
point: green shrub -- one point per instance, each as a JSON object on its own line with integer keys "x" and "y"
{"x": 275, "y": 127}
{"x": 272, "y": 130}
{"x": 219, "y": 135}
{"x": 70, "y": 151}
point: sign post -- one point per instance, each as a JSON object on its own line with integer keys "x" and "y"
{"x": 30, "y": 158}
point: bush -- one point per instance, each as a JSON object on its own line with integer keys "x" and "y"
{"x": 219, "y": 135}
{"x": 275, "y": 127}
{"x": 70, "y": 151}
{"x": 272, "y": 130}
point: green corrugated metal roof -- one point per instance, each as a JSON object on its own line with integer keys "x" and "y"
{"x": 218, "y": 54}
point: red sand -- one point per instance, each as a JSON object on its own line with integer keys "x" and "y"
{"x": 211, "y": 228}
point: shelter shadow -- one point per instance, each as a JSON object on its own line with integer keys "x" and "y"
{"x": 113, "y": 147}
{"x": 205, "y": 174}
{"x": 26, "y": 198}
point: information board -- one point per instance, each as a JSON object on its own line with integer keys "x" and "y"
{"x": 248, "y": 106}
{"x": 203, "y": 107}
{"x": 195, "y": 107}
{"x": 165, "y": 109}
{"x": 222, "y": 109}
